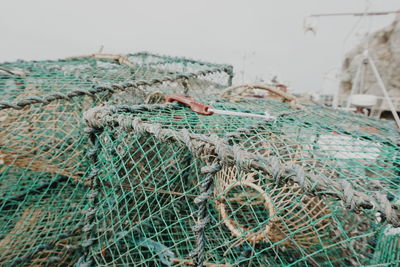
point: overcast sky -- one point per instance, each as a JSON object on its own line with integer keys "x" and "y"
{"x": 260, "y": 38}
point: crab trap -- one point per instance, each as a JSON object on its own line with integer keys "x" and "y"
{"x": 244, "y": 183}
{"x": 42, "y": 142}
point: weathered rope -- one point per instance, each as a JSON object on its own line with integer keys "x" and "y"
{"x": 95, "y": 115}
{"x": 203, "y": 217}
{"x": 287, "y": 96}
{"x": 214, "y": 149}
{"x": 16, "y": 72}
{"x": 90, "y": 214}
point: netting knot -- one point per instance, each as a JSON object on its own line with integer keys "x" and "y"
{"x": 276, "y": 169}
{"x": 211, "y": 169}
{"x": 386, "y": 206}
{"x": 348, "y": 193}
{"x": 94, "y": 117}
{"x": 201, "y": 224}
{"x": 241, "y": 158}
{"x": 83, "y": 262}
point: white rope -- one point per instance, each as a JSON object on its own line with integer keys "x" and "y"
{"x": 266, "y": 115}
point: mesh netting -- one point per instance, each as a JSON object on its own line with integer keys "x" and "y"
{"x": 310, "y": 187}
{"x": 388, "y": 247}
{"x": 42, "y": 228}
{"x": 42, "y": 142}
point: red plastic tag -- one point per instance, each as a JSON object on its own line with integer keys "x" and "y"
{"x": 195, "y": 106}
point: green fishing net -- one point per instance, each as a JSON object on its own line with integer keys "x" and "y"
{"x": 42, "y": 227}
{"x": 388, "y": 247}
{"x": 43, "y": 144}
{"x": 310, "y": 186}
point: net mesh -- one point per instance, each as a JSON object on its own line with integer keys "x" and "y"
{"x": 311, "y": 187}
{"x": 42, "y": 142}
{"x": 388, "y": 247}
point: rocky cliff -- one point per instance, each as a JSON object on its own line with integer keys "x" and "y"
{"x": 384, "y": 48}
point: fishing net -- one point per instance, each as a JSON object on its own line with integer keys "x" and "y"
{"x": 44, "y": 226}
{"x": 309, "y": 186}
{"x": 388, "y": 247}
{"x": 42, "y": 142}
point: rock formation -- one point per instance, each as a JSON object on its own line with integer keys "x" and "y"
{"x": 384, "y": 48}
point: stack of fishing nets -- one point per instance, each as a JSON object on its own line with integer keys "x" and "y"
{"x": 287, "y": 184}
{"x": 43, "y": 144}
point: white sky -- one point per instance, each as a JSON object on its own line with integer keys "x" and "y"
{"x": 268, "y": 34}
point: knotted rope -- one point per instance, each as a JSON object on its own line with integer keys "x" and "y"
{"x": 203, "y": 218}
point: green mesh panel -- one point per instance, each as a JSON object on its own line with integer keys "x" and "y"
{"x": 43, "y": 144}
{"x": 42, "y": 227}
{"x": 388, "y": 247}
{"x": 148, "y": 182}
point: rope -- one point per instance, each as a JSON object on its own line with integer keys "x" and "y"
{"x": 287, "y": 96}
{"x": 91, "y": 212}
{"x": 16, "y": 72}
{"x": 203, "y": 218}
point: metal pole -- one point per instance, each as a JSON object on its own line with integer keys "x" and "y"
{"x": 356, "y": 14}
{"x": 385, "y": 93}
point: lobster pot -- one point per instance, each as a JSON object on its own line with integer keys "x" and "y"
{"x": 42, "y": 140}
{"x": 145, "y": 206}
{"x": 145, "y": 210}
{"x": 40, "y": 118}
{"x": 276, "y": 199}
{"x": 43, "y": 102}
